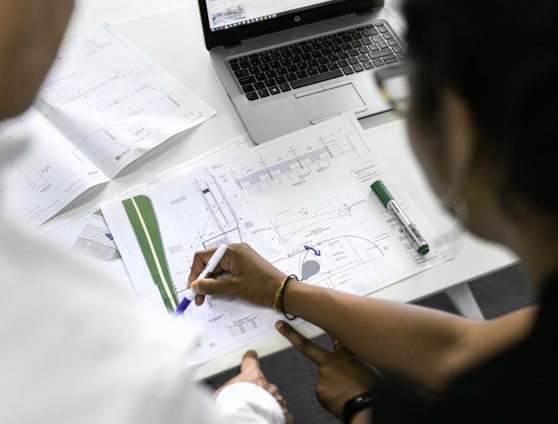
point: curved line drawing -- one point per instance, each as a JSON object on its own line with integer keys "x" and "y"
{"x": 313, "y": 250}
{"x": 337, "y": 256}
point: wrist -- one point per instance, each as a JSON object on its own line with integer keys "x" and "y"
{"x": 362, "y": 417}
{"x": 278, "y": 301}
{"x": 354, "y": 408}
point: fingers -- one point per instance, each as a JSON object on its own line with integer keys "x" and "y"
{"x": 250, "y": 361}
{"x": 339, "y": 348}
{"x": 200, "y": 260}
{"x": 309, "y": 349}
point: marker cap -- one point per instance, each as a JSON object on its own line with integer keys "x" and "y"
{"x": 381, "y": 191}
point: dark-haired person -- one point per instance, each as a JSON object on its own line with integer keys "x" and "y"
{"x": 482, "y": 122}
{"x": 76, "y": 347}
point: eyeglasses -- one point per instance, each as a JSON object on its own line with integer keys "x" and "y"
{"x": 393, "y": 83}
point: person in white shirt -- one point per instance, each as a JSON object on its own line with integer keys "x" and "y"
{"x": 77, "y": 347}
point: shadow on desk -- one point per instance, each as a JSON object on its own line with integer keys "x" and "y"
{"x": 496, "y": 294}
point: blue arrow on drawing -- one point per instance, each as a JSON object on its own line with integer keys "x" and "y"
{"x": 316, "y": 251}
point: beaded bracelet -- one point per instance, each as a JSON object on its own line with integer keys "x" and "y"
{"x": 278, "y": 301}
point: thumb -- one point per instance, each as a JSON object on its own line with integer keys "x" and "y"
{"x": 250, "y": 361}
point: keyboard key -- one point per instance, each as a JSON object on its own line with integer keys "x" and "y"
{"x": 285, "y": 87}
{"x": 291, "y": 77}
{"x": 332, "y": 66}
{"x": 348, "y": 70}
{"x": 247, "y": 80}
{"x": 390, "y": 59}
{"x": 380, "y": 53}
{"x": 274, "y": 90}
{"x": 248, "y": 88}
{"x": 378, "y": 39}
{"x": 370, "y": 32}
{"x": 292, "y": 69}
{"x": 252, "y": 96}
{"x": 317, "y": 78}
{"x": 242, "y": 73}
{"x": 263, "y": 93}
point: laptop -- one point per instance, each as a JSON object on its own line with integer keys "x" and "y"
{"x": 292, "y": 63}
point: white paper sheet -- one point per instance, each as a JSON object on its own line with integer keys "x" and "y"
{"x": 303, "y": 201}
{"x": 103, "y": 105}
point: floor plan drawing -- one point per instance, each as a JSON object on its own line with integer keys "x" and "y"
{"x": 303, "y": 201}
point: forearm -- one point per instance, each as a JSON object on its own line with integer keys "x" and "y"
{"x": 412, "y": 341}
{"x": 426, "y": 346}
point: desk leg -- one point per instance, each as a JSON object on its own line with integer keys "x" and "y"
{"x": 462, "y": 298}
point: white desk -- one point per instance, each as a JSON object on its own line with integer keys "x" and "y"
{"x": 170, "y": 32}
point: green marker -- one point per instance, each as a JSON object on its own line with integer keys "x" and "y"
{"x": 410, "y": 229}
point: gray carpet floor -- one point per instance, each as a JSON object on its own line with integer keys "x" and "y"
{"x": 496, "y": 294}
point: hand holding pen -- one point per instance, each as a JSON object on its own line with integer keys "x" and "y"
{"x": 252, "y": 278}
{"x": 206, "y": 272}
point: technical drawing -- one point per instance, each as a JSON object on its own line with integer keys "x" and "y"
{"x": 31, "y": 174}
{"x": 325, "y": 262}
{"x": 297, "y": 164}
{"x": 200, "y": 218}
{"x": 289, "y": 223}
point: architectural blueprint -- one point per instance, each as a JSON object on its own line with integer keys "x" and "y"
{"x": 302, "y": 201}
{"x": 103, "y": 105}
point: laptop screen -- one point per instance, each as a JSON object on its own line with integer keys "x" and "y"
{"x": 228, "y": 22}
{"x": 226, "y": 14}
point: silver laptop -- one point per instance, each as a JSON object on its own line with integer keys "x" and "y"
{"x": 292, "y": 63}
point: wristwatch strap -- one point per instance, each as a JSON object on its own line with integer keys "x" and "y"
{"x": 358, "y": 403}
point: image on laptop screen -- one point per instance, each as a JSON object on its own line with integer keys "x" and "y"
{"x": 226, "y": 14}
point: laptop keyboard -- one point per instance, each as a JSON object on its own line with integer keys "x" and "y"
{"x": 277, "y": 70}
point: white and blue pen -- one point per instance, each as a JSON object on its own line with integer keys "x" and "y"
{"x": 209, "y": 269}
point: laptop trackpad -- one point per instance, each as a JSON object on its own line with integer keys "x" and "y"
{"x": 331, "y": 102}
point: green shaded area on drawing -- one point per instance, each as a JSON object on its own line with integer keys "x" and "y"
{"x": 144, "y": 222}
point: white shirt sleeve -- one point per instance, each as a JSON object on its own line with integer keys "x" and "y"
{"x": 78, "y": 347}
{"x": 247, "y": 403}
